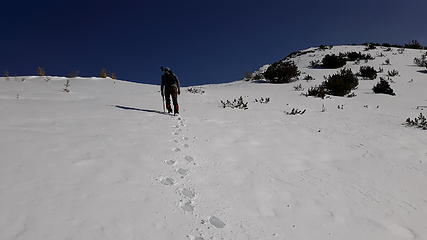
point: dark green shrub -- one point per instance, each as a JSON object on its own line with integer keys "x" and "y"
{"x": 370, "y": 46}
{"x": 316, "y": 91}
{"x": 414, "y": 44}
{"x": 392, "y": 73}
{"x": 419, "y": 122}
{"x": 341, "y": 83}
{"x": 333, "y": 61}
{"x": 368, "y": 72}
{"x": 354, "y": 56}
{"x": 282, "y": 72}
{"x": 383, "y": 87}
{"x": 422, "y": 61}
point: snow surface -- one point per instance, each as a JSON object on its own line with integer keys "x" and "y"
{"x": 104, "y": 162}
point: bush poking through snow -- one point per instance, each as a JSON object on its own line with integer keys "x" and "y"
{"x": 67, "y": 86}
{"x": 354, "y": 56}
{"x": 419, "y": 122}
{"x": 308, "y": 78}
{"x": 315, "y": 64}
{"x": 370, "y": 46}
{"x": 41, "y": 72}
{"x": 392, "y": 73}
{"x": 422, "y": 61}
{"x": 103, "y": 73}
{"x": 73, "y": 74}
{"x": 296, "y": 111}
{"x": 368, "y": 72}
{"x": 196, "y": 90}
{"x": 353, "y": 94}
{"x": 298, "y": 88}
{"x": 383, "y": 87}
{"x": 414, "y": 44}
{"x": 236, "y": 103}
{"x": 282, "y": 72}
{"x": 386, "y": 62}
{"x": 262, "y": 100}
{"x": 341, "y": 83}
{"x": 316, "y": 91}
{"x": 333, "y": 61}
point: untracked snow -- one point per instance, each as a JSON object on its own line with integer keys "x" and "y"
{"x": 104, "y": 162}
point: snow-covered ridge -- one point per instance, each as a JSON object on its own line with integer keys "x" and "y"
{"x": 400, "y": 59}
{"x": 102, "y": 161}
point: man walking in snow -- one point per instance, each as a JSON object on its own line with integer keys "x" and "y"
{"x": 170, "y": 88}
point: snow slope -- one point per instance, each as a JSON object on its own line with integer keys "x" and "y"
{"x": 104, "y": 162}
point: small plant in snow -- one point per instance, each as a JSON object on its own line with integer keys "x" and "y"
{"x": 6, "y": 75}
{"x": 323, "y": 108}
{"x": 370, "y": 47}
{"x": 236, "y": 103}
{"x": 67, "y": 86}
{"x": 308, "y": 78}
{"x": 315, "y": 64}
{"x": 295, "y": 111}
{"x": 419, "y": 122}
{"x": 41, "y": 72}
{"x": 262, "y": 100}
{"x": 401, "y": 50}
{"x": 380, "y": 70}
{"x": 298, "y": 88}
{"x": 103, "y": 73}
{"x": 422, "y": 61}
{"x": 73, "y": 74}
{"x": 387, "y": 49}
{"x": 353, "y": 94}
{"x": 387, "y": 62}
{"x": 392, "y": 73}
{"x": 383, "y": 87}
{"x": 196, "y": 90}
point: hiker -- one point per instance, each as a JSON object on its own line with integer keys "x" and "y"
{"x": 170, "y": 88}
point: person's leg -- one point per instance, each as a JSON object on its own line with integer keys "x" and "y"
{"x": 168, "y": 93}
{"x": 175, "y": 100}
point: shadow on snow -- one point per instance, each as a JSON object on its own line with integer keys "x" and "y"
{"x": 139, "y": 109}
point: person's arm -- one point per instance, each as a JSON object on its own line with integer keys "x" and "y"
{"x": 177, "y": 84}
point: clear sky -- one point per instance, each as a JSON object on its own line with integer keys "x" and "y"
{"x": 203, "y": 41}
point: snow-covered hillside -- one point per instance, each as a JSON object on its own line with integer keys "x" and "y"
{"x": 104, "y": 162}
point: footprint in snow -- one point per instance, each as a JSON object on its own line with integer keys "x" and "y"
{"x": 188, "y": 193}
{"x": 176, "y": 150}
{"x": 186, "y": 145}
{"x": 182, "y": 171}
{"x": 188, "y": 207}
{"x": 189, "y": 158}
{"x": 167, "y": 181}
{"x": 170, "y": 162}
{"x": 185, "y": 138}
{"x": 191, "y": 237}
{"x": 175, "y": 133}
{"x": 216, "y": 222}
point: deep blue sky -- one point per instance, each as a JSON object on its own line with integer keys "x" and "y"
{"x": 203, "y": 41}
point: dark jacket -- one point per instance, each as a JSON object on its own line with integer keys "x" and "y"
{"x": 169, "y": 79}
